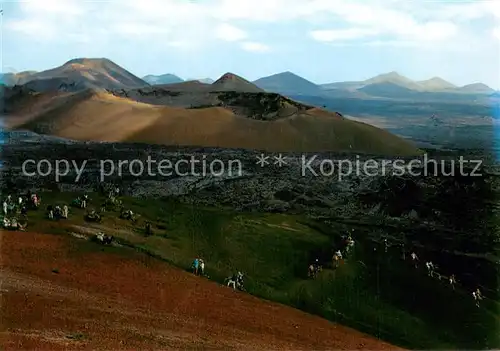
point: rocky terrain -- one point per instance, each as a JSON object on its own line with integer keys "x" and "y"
{"x": 255, "y": 105}
{"x": 462, "y": 205}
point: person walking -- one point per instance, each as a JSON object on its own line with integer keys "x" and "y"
{"x": 196, "y": 264}
{"x": 202, "y": 267}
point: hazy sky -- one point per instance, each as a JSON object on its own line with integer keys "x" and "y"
{"x": 321, "y": 40}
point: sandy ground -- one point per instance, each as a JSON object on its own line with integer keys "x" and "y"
{"x": 55, "y": 297}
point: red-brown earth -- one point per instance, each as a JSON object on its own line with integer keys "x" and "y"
{"x": 56, "y": 295}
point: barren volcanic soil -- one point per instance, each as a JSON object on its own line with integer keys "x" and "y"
{"x": 59, "y": 293}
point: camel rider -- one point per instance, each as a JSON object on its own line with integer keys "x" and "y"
{"x": 430, "y": 268}
{"x": 128, "y": 214}
{"x": 238, "y": 278}
{"x": 477, "y": 296}
{"x": 34, "y": 200}
{"x": 452, "y": 281}
{"x": 50, "y": 211}
{"x": 414, "y": 258}
{"x": 57, "y": 211}
{"x": 94, "y": 215}
{"x": 13, "y": 223}
{"x": 349, "y": 243}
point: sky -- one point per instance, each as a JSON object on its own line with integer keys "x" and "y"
{"x": 321, "y": 40}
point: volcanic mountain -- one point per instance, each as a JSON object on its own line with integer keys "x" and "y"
{"x": 84, "y": 73}
{"x": 287, "y": 83}
{"x": 99, "y": 116}
{"x": 393, "y": 78}
{"x": 436, "y": 84}
{"x": 476, "y": 88}
{"x": 233, "y": 82}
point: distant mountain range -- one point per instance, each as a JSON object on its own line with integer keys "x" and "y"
{"x": 382, "y": 85}
{"x": 103, "y": 73}
{"x": 172, "y": 79}
{"x": 162, "y": 79}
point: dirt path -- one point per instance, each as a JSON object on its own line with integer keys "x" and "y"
{"x": 54, "y": 296}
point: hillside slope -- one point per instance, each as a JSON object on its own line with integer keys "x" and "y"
{"x": 103, "y": 117}
{"x": 47, "y": 304}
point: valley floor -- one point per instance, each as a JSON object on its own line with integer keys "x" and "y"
{"x": 56, "y": 295}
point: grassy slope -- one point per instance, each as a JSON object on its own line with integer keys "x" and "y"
{"x": 375, "y": 293}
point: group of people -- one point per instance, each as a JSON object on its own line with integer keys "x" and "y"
{"x": 10, "y": 205}
{"x": 81, "y": 201}
{"x": 235, "y": 281}
{"x": 198, "y": 266}
{"x": 15, "y": 210}
{"x": 431, "y": 272}
{"x": 14, "y": 224}
{"x": 345, "y": 248}
{"x": 104, "y": 238}
{"x": 57, "y": 212}
{"x": 348, "y": 245}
